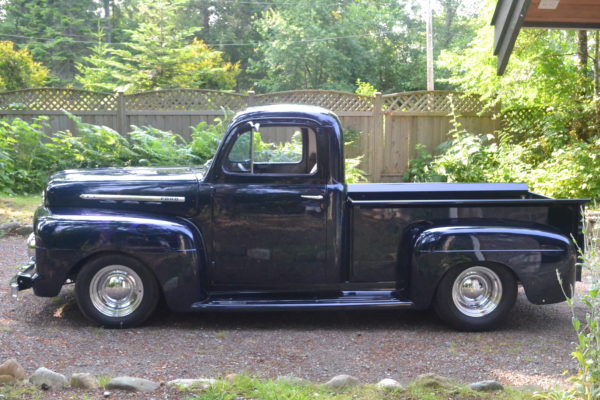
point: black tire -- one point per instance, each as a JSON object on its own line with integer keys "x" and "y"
{"x": 116, "y": 291}
{"x": 462, "y": 308}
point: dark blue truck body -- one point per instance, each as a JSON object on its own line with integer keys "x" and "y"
{"x": 249, "y": 234}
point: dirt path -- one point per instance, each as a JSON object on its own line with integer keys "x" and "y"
{"x": 533, "y": 347}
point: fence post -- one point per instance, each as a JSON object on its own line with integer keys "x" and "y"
{"x": 376, "y": 142}
{"x": 121, "y": 114}
{"x": 250, "y": 100}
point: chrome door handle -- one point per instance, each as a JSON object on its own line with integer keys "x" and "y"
{"x": 310, "y": 197}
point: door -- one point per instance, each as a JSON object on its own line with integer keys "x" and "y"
{"x": 270, "y": 211}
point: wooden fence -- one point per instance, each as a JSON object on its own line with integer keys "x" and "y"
{"x": 393, "y": 124}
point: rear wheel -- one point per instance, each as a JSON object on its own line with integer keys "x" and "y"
{"x": 116, "y": 291}
{"x": 475, "y": 298}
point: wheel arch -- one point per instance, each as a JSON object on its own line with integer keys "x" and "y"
{"x": 531, "y": 255}
{"x": 172, "y": 249}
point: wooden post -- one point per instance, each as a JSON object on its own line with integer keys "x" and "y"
{"x": 429, "y": 28}
{"x": 376, "y": 142}
{"x": 121, "y": 113}
{"x": 250, "y": 100}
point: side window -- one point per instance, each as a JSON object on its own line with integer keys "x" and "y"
{"x": 280, "y": 150}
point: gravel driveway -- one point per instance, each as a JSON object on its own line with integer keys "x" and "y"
{"x": 532, "y": 348}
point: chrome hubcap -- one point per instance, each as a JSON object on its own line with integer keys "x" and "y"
{"x": 477, "y": 291}
{"x": 116, "y": 291}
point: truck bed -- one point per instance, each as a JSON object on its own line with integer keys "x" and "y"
{"x": 384, "y": 218}
{"x": 439, "y": 191}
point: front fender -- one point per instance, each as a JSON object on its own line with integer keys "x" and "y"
{"x": 172, "y": 248}
{"x": 534, "y": 256}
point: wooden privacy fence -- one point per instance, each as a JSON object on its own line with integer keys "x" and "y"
{"x": 393, "y": 124}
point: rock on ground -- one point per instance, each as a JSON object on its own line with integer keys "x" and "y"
{"x": 47, "y": 379}
{"x": 342, "y": 381}
{"x": 486, "y": 386}
{"x": 13, "y": 368}
{"x": 15, "y": 228}
{"x": 389, "y": 384}
{"x": 7, "y": 379}
{"x": 433, "y": 381}
{"x": 198, "y": 383}
{"x": 84, "y": 381}
{"x": 132, "y": 384}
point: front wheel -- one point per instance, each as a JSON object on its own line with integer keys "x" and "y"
{"x": 475, "y": 298}
{"x": 116, "y": 291}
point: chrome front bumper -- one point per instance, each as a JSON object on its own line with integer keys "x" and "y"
{"x": 24, "y": 279}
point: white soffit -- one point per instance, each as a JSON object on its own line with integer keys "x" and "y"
{"x": 548, "y": 4}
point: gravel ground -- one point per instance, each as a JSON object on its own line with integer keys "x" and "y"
{"x": 531, "y": 349}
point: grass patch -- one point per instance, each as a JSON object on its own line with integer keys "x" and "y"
{"x": 103, "y": 380}
{"x": 247, "y": 387}
{"x": 19, "y": 392}
{"x": 18, "y": 208}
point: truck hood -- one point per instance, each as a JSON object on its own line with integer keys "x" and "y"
{"x": 171, "y": 191}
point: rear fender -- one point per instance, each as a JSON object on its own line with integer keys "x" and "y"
{"x": 171, "y": 248}
{"x": 534, "y": 257}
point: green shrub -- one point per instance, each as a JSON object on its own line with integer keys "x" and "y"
{"x": 28, "y": 155}
{"x": 23, "y": 155}
{"x": 555, "y": 163}
{"x": 586, "y": 383}
{"x": 206, "y": 137}
{"x": 152, "y": 146}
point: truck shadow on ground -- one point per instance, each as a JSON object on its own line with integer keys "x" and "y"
{"x": 525, "y": 317}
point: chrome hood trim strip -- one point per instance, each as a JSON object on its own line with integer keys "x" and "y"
{"x": 128, "y": 197}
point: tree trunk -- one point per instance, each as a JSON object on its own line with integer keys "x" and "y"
{"x": 107, "y": 20}
{"x": 582, "y": 51}
{"x": 595, "y": 66}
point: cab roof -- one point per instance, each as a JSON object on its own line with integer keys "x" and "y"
{"x": 277, "y": 111}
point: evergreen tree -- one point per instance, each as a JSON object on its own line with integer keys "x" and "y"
{"x": 159, "y": 54}
{"x": 56, "y": 32}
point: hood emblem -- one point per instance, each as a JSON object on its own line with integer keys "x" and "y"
{"x": 129, "y": 197}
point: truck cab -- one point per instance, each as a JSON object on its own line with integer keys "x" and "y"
{"x": 270, "y": 224}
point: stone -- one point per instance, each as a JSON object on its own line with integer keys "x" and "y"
{"x": 292, "y": 380}
{"x": 198, "y": 383}
{"x": 46, "y": 379}
{"x": 13, "y": 368}
{"x": 15, "y": 228}
{"x": 7, "y": 379}
{"x": 106, "y": 394}
{"x": 433, "y": 381}
{"x": 342, "y": 382}
{"x": 23, "y": 230}
{"x": 84, "y": 381}
{"x": 132, "y": 384}
{"x": 389, "y": 384}
{"x": 486, "y": 386}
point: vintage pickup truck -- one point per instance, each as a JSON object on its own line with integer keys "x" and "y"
{"x": 270, "y": 224}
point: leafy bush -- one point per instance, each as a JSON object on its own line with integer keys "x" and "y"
{"x": 206, "y": 138}
{"x": 585, "y": 384}
{"x": 555, "y": 163}
{"x": 22, "y": 155}
{"x": 18, "y": 70}
{"x": 29, "y": 155}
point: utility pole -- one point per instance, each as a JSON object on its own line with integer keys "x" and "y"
{"x": 429, "y": 24}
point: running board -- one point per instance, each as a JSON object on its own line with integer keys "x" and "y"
{"x": 348, "y": 300}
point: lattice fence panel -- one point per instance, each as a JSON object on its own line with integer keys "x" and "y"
{"x": 185, "y": 100}
{"x": 332, "y": 100}
{"x": 524, "y": 122}
{"x": 423, "y": 102}
{"x": 48, "y": 99}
